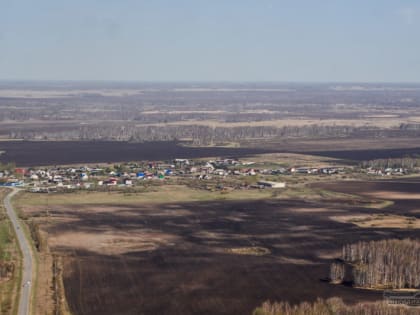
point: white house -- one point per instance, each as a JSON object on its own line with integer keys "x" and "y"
{"x": 272, "y": 184}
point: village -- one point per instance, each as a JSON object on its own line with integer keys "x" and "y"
{"x": 49, "y": 179}
{"x": 58, "y": 178}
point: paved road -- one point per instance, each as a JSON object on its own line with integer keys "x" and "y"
{"x": 25, "y": 292}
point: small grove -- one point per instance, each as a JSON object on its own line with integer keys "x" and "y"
{"x": 333, "y": 306}
{"x": 379, "y": 264}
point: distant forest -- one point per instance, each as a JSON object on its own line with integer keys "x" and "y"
{"x": 207, "y": 114}
{"x": 201, "y": 135}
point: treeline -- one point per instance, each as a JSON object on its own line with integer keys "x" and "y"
{"x": 406, "y": 162}
{"x": 333, "y": 306}
{"x": 7, "y": 167}
{"x": 39, "y": 241}
{"x": 409, "y": 126}
{"x": 379, "y": 264}
{"x": 198, "y": 134}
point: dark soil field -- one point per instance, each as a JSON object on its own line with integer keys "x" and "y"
{"x": 368, "y": 154}
{"x": 38, "y": 153}
{"x": 404, "y": 193}
{"x": 196, "y": 274}
{"x": 178, "y": 259}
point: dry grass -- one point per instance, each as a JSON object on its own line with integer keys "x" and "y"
{"x": 292, "y": 159}
{"x": 394, "y": 195}
{"x": 253, "y": 251}
{"x": 30, "y": 93}
{"x": 44, "y": 286}
{"x": 152, "y": 195}
{"x": 367, "y": 121}
{"x": 379, "y": 221}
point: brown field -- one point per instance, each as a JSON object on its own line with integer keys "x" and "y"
{"x": 380, "y": 221}
{"x": 383, "y": 121}
{"x": 209, "y": 256}
{"x": 73, "y": 152}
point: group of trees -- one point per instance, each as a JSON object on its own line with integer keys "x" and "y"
{"x": 198, "y": 134}
{"x": 409, "y": 126}
{"x": 39, "y": 240}
{"x": 386, "y": 264}
{"x": 7, "y": 167}
{"x": 333, "y": 306}
{"x": 159, "y": 113}
{"x": 406, "y": 162}
{"x": 6, "y": 269}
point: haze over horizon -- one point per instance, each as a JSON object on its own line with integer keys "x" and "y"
{"x": 217, "y": 41}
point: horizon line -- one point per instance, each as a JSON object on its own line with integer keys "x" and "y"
{"x": 6, "y": 80}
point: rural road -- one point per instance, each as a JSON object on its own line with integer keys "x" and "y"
{"x": 26, "y": 285}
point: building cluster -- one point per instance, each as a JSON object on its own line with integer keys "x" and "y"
{"x": 386, "y": 171}
{"x": 44, "y": 179}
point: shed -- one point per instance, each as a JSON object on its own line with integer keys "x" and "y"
{"x": 272, "y": 184}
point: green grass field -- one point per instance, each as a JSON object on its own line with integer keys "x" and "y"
{"x": 9, "y": 263}
{"x": 171, "y": 194}
{"x": 162, "y": 194}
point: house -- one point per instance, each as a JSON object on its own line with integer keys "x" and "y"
{"x": 96, "y": 171}
{"x": 226, "y": 162}
{"x": 182, "y": 162}
{"x": 208, "y": 168}
{"x": 20, "y": 171}
{"x": 303, "y": 170}
{"x": 279, "y": 171}
{"x": 127, "y": 181}
{"x": 111, "y": 182}
{"x": 13, "y": 184}
{"x": 219, "y": 172}
{"x": 250, "y": 172}
{"x": 272, "y": 184}
{"x": 329, "y": 170}
{"x": 192, "y": 169}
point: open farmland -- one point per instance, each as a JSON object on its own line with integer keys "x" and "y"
{"x": 207, "y": 114}
{"x": 213, "y": 253}
{"x": 72, "y": 152}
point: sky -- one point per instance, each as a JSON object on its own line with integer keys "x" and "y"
{"x": 211, "y": 40}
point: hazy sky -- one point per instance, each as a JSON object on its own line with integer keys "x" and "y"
{"x": 208, "y": 40}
